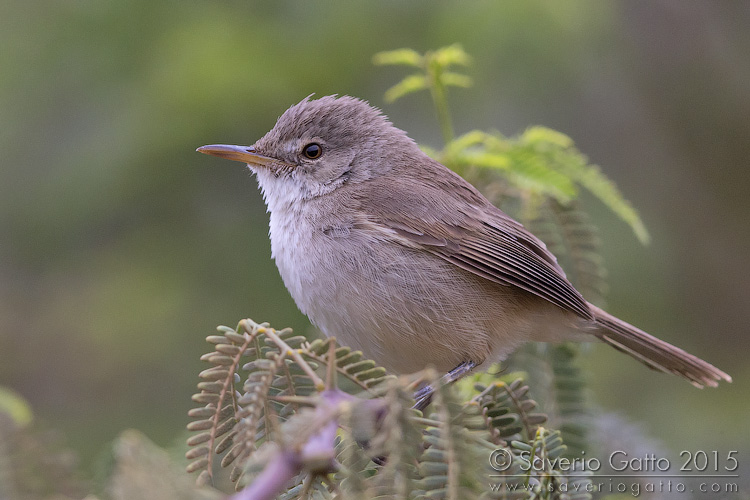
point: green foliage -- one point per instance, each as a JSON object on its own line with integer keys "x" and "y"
{"x": 15, "y": 407}
{"x": 537, "y": 459}
{"x": 275, "y": 388}
{"x": 361, "y": 439}
{"x": 569, "y": 234}
{"x": 572, "y": 412}
{"x": 508, "y": 410}
{"x": 538, "y": 165}
{"x": 389, "y": 432}
{"x": 433, "y": 75}
{"x": 433, "y": 70}
{"x": 34, "y": 463}
{"x": 143, "y": 470}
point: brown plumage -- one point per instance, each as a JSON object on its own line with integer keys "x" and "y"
{"x": 396, "y": 255}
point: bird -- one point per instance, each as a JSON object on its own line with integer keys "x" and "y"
{"x": 394, "y": 254}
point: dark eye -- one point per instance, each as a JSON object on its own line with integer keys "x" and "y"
{"x": 312, "y": 151}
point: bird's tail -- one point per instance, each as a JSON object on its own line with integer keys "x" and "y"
{"x": 655, "y": 353}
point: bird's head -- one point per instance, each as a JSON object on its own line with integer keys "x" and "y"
{"x": 319, "y": 145}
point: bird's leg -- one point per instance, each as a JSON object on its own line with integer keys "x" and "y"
{"x": 423, "y": 396}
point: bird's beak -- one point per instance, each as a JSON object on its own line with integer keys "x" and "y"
{"x": 245, "y": 154}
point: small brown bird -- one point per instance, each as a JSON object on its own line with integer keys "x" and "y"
{"x": 394, "y": 254}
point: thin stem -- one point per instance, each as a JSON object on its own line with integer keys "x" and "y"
{"x": 339, "y": 370}
{"x": 331, "y": 382}
{"x": 532, "y": 456}
{"x": 437, "y": 91}
{"x": 271, "y": 334}
{"x": 300, "y": 400}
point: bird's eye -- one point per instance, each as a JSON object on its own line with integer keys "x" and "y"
{"x": 312, "y": 151}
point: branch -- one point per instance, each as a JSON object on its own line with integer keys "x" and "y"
{"x": 279, "y": 471}
{"x": 316, "y": 455}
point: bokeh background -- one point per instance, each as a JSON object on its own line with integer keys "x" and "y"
{"x": 121, "y": 248}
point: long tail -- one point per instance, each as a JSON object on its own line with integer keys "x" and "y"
{"x": 655, "y": 353}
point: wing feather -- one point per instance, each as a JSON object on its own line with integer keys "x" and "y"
{"x": 466, "y": 230}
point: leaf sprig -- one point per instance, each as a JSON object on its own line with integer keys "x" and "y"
{"x": 434, "y": 75}
{"x": 538, "y": 164}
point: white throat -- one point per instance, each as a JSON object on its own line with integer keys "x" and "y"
{"x": 285, "y": 192}
{"x": 280, "y": 193}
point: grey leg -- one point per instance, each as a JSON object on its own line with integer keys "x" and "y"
{"x": 423, "y": 396}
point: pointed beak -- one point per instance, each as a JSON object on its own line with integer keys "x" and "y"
{"x": 245, "y": 154}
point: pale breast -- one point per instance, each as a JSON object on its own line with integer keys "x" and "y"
{"x": 403, "y": 308}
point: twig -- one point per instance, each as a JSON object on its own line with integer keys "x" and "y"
{"x": 316, "y": 455}
{"x": 294, "y": 353}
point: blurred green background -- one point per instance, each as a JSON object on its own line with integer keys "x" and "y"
{"x": 121, "y": 248}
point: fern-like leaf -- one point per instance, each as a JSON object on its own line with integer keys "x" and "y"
{"x": 398, "y": 439}
{"x": 540, "y": 163}
{"x": 406, "y": 57}
{"x": 559, "y": 152}
{"x": 569, "y": 234}
{"x": 409, "y": 85}
{"x": 573, "y": 415}
{"x": 218, "y": 394}
{"x": 543, "y": 471}
{"x": 351, "y": 365}
{"x": 448, "y": 465}
{"x": 287, "y": 416}
{"x": 254, "y": 404}
{"x": 508, "y": 410}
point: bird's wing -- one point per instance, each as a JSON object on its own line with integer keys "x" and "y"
{"x": 467, "y": 230}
